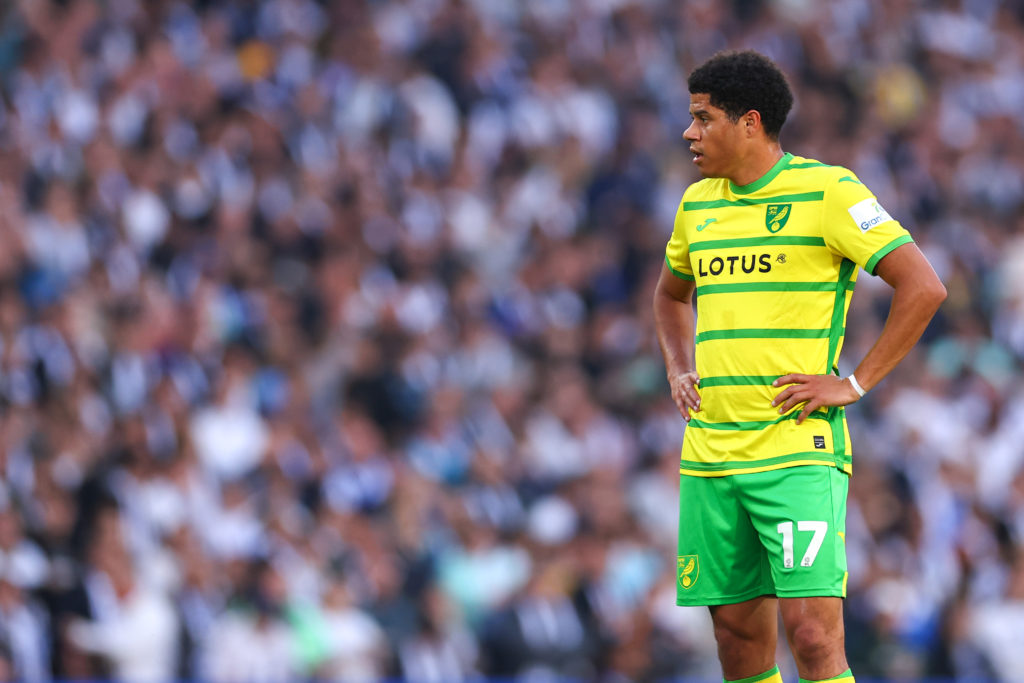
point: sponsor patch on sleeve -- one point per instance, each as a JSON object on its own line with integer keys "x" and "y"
{"x": 868, "y": 213}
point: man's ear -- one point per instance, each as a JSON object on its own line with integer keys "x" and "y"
{"x": 751, "y": 122}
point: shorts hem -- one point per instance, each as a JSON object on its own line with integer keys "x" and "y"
{"x": 696, "y": 601}
{"x": 811, "y": 593}
{"x": 743, "y": 597}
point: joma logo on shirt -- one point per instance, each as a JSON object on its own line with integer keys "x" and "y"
{"x": 728, "y": 264}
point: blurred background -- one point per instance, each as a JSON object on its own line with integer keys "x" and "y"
{"x": 326, "y": 348}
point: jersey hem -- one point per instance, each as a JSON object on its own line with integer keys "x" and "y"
{"x": 827, "y": 460}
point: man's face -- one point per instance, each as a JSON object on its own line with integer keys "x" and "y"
{"x": 714, "y": 140}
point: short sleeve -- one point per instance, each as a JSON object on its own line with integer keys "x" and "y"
{"x": 855, "y": 224}
{"x": 677, "y": 253}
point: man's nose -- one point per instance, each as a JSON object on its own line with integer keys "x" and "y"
{"x": 691, "y": 132}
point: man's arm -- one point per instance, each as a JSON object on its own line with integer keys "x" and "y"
{"x": 917, "y": 293}
{"x": 674, "y": 322}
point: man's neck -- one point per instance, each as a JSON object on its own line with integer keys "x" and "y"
{"x": 757, "y": 164}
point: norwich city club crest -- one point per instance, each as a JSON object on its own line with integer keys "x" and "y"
{"x": 689, "y": 569}
{"x": 776, "y": 215}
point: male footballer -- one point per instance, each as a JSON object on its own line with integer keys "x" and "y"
{"x": 772, "y": 244}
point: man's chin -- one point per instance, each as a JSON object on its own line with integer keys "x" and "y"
{"x": 702, "y": 167}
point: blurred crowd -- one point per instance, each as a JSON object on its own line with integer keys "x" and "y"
{"x": 326, "y": 348}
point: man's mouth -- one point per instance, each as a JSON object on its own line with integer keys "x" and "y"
{"x": 697, "y": 156}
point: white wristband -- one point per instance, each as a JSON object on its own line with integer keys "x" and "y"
{"x": 856, "y": 385}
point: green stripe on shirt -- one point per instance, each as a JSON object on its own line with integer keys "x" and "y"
{"x": 766, "y": 241}
{"x": 737, "y": 380}
{"x": 748, "y": 201}
{"x": 762, "y": 333}
{"x": 742, "y": 287}
{"x": 837, "y": 420}
{"x": 847, "y": 269}
{"x": 752, "y": 425}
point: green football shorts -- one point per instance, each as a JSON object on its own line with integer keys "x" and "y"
{"x": 780, "y": 532}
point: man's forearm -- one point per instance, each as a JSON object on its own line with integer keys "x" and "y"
{"x": 674, "y": 324}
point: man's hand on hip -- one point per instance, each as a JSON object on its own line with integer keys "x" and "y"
{"x": 816, "y": 391}
{"x": 684, "y": 392}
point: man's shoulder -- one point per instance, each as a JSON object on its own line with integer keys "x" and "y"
{"x": 706, "y": 189}
{"x": 814, "y": 170}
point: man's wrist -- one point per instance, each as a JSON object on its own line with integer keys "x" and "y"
{"x": 856, "y": 385}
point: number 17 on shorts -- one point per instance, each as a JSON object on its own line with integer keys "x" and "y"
{"x": 786, "y": 530}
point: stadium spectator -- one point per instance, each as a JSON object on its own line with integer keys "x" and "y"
{"x": 357, "y": 292}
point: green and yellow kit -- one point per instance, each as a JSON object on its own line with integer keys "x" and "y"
{"x": 775, "y": 264}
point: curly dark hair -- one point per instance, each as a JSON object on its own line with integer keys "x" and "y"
{"x": 740, "y": 81}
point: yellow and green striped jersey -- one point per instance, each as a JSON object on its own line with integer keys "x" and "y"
{"x": 774, "y": 263}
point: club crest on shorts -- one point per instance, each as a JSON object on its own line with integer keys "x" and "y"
{"x": 776, "y": 215}
{"x": 689, "y": 569}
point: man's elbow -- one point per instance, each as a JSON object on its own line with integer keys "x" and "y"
{"x": 934, "y": 294}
